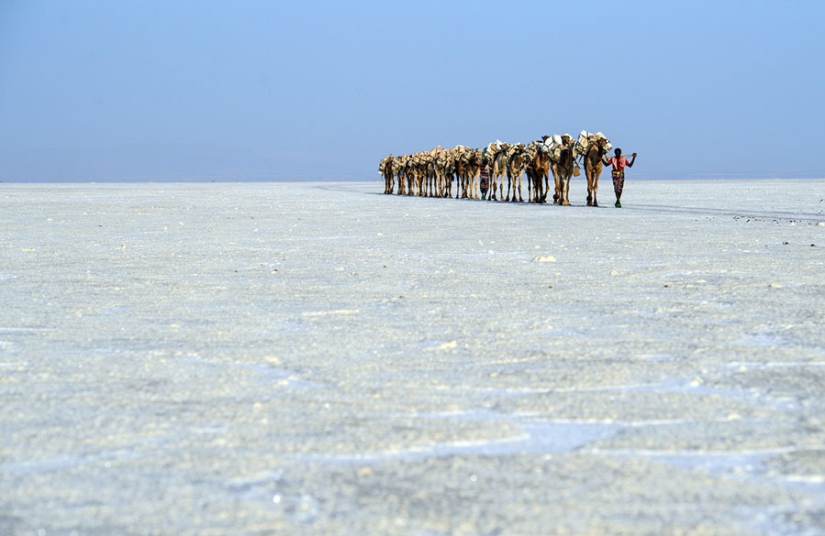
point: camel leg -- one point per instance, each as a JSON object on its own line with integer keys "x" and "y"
{"x": 566, "y": 191}
{"x": 595, "y": 190}
{"x": 557, "y": 192}
{"x": 589, "y": 176}
{"x": 544, "y": 186}
{"x": 520, "y": 198}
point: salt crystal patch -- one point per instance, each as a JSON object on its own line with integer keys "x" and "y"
{"x": 448, "y": 345}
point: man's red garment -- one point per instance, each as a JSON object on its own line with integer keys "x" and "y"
{"x": 618, "y": 163}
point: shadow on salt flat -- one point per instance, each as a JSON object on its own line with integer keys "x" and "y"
{"x": 264, "y": 372}
{"x": 281, "y": 376}
{"x": 746, "y": 464}
{"x": 539, "y": 437}
{"x": 103, "y": 458}
{"x": 717, "y": 462}
{"x": 764, "y": 340}
{"x": 686, "y": 386}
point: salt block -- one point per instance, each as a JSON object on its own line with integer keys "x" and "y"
{"x": 544, "y": 258}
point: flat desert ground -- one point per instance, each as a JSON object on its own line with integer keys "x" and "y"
{"x": 320, "y": 358}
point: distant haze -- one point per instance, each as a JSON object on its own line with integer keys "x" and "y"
{"x": 259, "y": 90}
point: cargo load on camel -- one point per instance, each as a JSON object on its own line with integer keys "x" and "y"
{"x": 586, "y": 139}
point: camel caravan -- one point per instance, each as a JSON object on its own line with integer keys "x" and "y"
{"x": 482, "y": 173}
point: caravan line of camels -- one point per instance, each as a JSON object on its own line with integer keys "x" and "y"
{"x": 482, "y": 173}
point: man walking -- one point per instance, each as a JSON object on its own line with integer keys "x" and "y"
{"x": 619, "y": 163}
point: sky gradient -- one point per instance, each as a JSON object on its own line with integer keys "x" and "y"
{"x": 260, "y": 90}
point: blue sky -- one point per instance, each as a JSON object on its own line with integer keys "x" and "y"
{"x": 259, "y": 90}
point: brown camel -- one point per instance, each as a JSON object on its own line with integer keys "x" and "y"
{"x": 430, "y": 172}
{"x": 537, "y": 168}
{"x": 563, "y": 172}
{"x": 386, "y": 169}
{"x": 442, "y": 168}
{"x": 462, "y": 170}
{"x": 593, "y": 168}
{"x": 515, "y": 168}
{"x": 410, "y": 175}
{"x": 474, "y": 171}
{"x": 499, "y": 169}
{"x": 398, "y": 168}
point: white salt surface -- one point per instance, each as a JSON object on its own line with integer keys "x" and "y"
{"x": 324, "y": 359}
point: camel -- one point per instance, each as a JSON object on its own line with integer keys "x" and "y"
{"x": 385, "y": 168}
{"x": 462, "y": 170}
{"x": 474, "y": 169}
{"x": 444, "y": 169}
{"x": 430, "y": 172}
{"x": 537, "y": 167}
{"x": 421, "y": 174}
{"x": 410, "y": 174}
{"x": 593, "y": 168}
{"x": 563, "y": 172}
{"x": 498, "y": 163}
{"x": 515, "y": 167}
{"x": 398, "y": 169}
{"x": 449, "y": 172}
